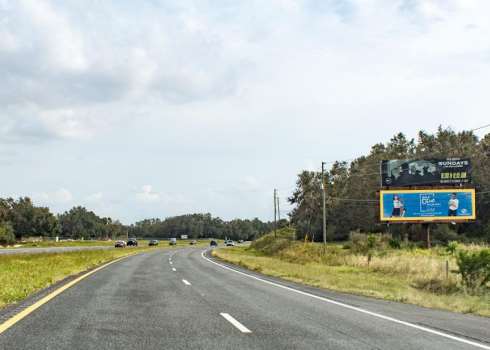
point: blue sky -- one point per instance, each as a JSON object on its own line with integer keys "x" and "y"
{"x": 157, "y": 108}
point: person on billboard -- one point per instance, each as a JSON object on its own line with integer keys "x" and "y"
{"x": 453, "y": 205}
{"x": 398, "y": 209}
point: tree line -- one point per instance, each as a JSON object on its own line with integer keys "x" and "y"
{"x": 21, "y": 218}
{"x": 201, "y": 226}
{"x": 352, "y": 187}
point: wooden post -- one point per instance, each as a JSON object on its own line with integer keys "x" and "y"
{"x": 428, "y": 236}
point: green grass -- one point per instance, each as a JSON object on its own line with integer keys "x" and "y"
{"x": 24, "y": 274}
{"x": 416, "y": 277}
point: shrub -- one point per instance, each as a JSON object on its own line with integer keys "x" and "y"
{"x": 474, "y": 268}
{"x": 443, "y": 234}
{"x": 7, "y": 235}
{"x": 452, "y": 247}
{"x": 366, "y": 244}
{"x": 395, "y": 243}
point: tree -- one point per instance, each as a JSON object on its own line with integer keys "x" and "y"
{"x": 352, "y": 187}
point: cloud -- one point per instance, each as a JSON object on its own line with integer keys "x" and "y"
{"x": 147, "y": 195}
{"x": 60, "y": 196}
{"x": 94, "y": 197}
{"x": 220, "y": 101}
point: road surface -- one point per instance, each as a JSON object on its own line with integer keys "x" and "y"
{"x": 11, "y": 251}
{"x": 181, "y": 300}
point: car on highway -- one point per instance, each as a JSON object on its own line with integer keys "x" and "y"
{"x": 153, "y": 242}
{"x": 132, "y": 242}
{"x": 193, "y": 242}
{"x": 173, "y": 241}
{"x": 240, "y": 241}
{"x": 230, "y": 243}
{"x": 120, "y": 244}
{"x": 213, "y": 243}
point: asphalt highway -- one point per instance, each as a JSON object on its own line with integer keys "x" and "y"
{"x": 182, "y": 300}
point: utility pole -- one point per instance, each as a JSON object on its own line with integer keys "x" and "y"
{"x": 275, "y": 212}
{"x": 278, "y": 210}
{"x": 324, "y": 205}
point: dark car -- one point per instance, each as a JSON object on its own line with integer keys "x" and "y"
{"x": 153, "y": 242}
{"x": 213, "y": 243}
{"x": 120, "y": 244}
{"x": 132, "y": 242}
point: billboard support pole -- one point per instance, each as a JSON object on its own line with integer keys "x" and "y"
{"x": 427, "y": 235}
{"x": 324, "y": 205}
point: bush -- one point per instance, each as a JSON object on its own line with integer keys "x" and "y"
{"x": 395, "y": 243}
{"x": 452, "y": 247}
{"x": 7, "y": 235}
{"x": 443, "y": 233}
{"x": 474, "y": 268}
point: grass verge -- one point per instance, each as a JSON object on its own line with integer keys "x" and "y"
{"x": 409, "y": 277}
{"x": 24, "y": 274}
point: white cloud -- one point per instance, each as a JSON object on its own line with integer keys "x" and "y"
{"x": 60, "y": 196}
{"x": 94, "y": 197}
{"x": 222, "y": 96}
{"x": 147, "y": 195}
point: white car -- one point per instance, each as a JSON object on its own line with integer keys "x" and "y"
{"x": 230, "y": 243}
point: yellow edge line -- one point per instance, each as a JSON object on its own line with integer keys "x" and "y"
{"x": 16, "y": 318}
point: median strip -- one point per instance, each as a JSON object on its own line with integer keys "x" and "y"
{"x": 234, "y": 322}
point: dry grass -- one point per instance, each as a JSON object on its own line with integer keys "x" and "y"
{"x": 413, "y": 276}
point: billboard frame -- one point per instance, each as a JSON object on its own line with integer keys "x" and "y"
{"x": 425, "y": 220}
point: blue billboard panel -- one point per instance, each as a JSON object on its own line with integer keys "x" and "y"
{"x": 427, "y": 205}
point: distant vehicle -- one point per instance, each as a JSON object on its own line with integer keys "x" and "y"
{"x": 132, "y": 242}
{"x": 173, "y": 241}
{"x": 153, "y": 242}
{"x": 193, "y": 242}
{"x": 120, "y": 244}
{"x": 240, "y": 241}
{"x": 230, "y": 244}
{"x": 213, "y": 243}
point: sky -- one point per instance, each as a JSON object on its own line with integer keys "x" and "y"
{"x": 138, "y": 109}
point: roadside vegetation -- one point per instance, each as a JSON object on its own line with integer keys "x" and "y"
{"x": 455, "y": 277}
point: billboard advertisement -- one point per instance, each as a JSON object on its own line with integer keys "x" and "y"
{"x": 421, "y": 172}
{"x": 427, "y": 205}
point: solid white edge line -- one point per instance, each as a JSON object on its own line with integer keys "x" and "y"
{"x": 374, "y": 314}
{"x": 234, "y": 322}
{"x": 186, "y": 282}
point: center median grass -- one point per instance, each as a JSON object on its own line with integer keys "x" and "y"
{"x": 24, "y": 274}
{"x": 411, "y": 277}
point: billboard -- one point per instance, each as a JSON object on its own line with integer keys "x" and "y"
{"x": 421, "y": 172}
{"x": 427, "y": 205}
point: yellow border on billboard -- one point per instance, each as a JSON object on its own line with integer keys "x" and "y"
{"x": 432, "y": 218}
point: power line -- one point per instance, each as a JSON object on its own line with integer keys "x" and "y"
{"x": 353, "y": 199}
{"x": 480, "y": 127}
